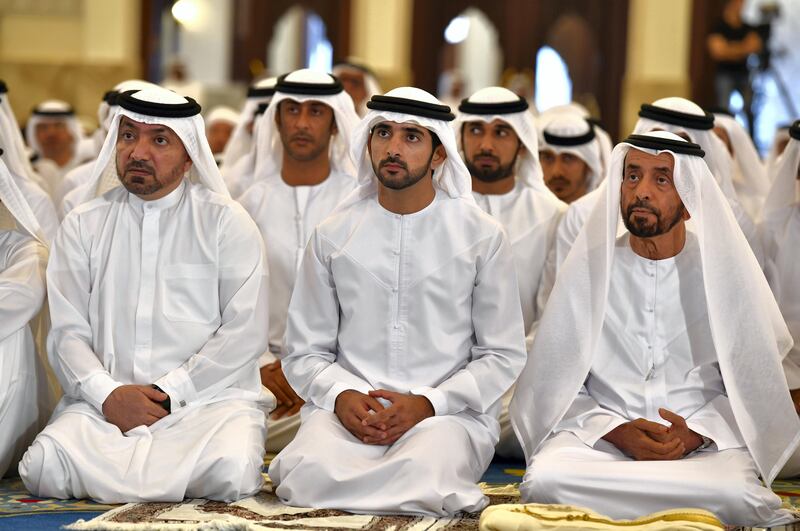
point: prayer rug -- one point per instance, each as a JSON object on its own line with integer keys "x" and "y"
{"x": 265, "y": 511}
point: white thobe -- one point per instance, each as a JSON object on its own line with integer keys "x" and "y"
{"x": 568, "y": 228}
{"x": 41, "y": 205}
{"x": 780, "y": 236}
{"x": 530, "y": 219}
{"x": 170, "y": 292}
{"x": 24, "y": 390}
{"x": 655, "y": 351}
{"x": 53, "y": 173}
{"x": 80, "y": 175}
{"x": 286, "y": 216}
{"x": 425, "y": 303}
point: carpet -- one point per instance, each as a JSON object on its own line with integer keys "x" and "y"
{"x": 265, "y": 511}
{"x": 15, "y": 500}
{"x": 20, "y": 510}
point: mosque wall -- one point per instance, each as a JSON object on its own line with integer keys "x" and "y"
{"x": 76, "y": 49}
{"x": 67, "y": 49}
{"x": 381, "y": 38}
{"x": 659, "y": 37}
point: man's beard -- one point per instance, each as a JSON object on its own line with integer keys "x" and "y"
{"x": 640, "y": 228}
{"x": 488, "y": 175}
{"x": 136, "y": 184}
{"x": 411, "y": 177}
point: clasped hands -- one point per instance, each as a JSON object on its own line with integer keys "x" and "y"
{"x": 643, "y": 440}
{"x": 372, "y": 423}
{"x": 129, "y": 406}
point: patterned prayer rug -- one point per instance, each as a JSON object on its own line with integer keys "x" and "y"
{"x": 265, "y": 511}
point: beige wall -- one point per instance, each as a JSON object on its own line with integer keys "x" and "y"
{"x": 381, "y": 38}
{"x": 73, "y": 50}
{"x": 659, "y": 36}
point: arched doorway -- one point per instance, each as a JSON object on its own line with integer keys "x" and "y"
{"x": 299, "y": 40}
{"x": 471, "y": 57}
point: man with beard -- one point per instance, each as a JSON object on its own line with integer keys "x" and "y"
{"x": 157, "y": 290}
{"x": 498, "y": 141}
{"x": 570, "y": 157}
{"x": 662, "y": 393}
{"x": 301, "y": 170}
{"x": 404, "y": 329}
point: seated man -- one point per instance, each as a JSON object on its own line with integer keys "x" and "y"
{"x": 664, "y": 390}
{"x": 304, "y": 171}
{"x": 497, "y": 137}
{"x": 404, "y": 329}
{"x": 158, "y": 300}
{"x": 220, "y": 123}
{"x": 107, "y": 108}
{"x": 570, "y": 157}
{"x": 54, "y": 134}
{"x": 780, "y": 233}
{"x": 26, "y": 399}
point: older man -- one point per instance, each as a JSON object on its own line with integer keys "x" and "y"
{"x": 404, "y": 329}
{"x": 80, "y": 175}
{"x": 661, "y": 394}
{"x": 157, "y": 294}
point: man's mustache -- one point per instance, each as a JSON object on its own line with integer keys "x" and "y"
{"x": 301, "y": 136}
{"x": 487, "y": 155}
{"x": 643, "y": 205}
{"x": 393, "y": 160}
{"x": 139, "y": 165}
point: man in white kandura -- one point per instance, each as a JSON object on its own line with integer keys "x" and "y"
{"x": 221, "y": 121}
{"x": 54, "y": 134}
{"x": 304, "y": 171}
{"x": 158, "y": 299}
{"x": 404, "y": 328}
{"x": 570, "y": 155}
{"x": 572, "y": 158}
{"x": 688, "y": 120}
{"x": 78, "y": 176}
{"x": 656, "y": 369}
{"x": 26, "y": 399}
{"x": 498, "y": 139}
{"x": 780, "y": 234}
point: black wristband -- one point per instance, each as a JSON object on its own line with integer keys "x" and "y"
{"x": 166, "y": 404}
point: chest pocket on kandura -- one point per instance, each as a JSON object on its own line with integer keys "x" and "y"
{"x": 190, "y": 292}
